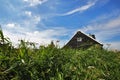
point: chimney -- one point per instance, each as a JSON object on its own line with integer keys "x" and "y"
{"x": 92, "y": 35}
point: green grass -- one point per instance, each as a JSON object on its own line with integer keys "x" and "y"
{"x": 51, "y": 63}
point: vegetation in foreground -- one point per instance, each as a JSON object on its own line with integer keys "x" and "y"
{"x": 51, "y": 63}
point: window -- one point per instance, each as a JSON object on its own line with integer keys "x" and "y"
{"x": 79, "y": 39}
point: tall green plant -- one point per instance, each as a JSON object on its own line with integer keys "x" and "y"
{"x": 1, "y": 36}
{"x": 51, "y": 63}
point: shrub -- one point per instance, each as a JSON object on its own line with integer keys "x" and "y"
{"x": 51, "y": 63}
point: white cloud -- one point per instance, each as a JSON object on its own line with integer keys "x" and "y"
{"x": 24, "y": 29}
{"x": 115, "y": 45}
{"x": 32, "y": 22}
{"x": 105, "y": 31}
{"x": 35, "y": 2}
{"x": 43, "y": 37}
{"x": 25, "y": 0}
{"x": 81, "y": 9}
{"x": 113, "y": 23}
{"x": 10, "y": 25}
{"x": 37, "y": 18}
{"x": 23, "y": 23}
{"x": 15, "y": 28}
{"x": 112, "y": 45}
{"x": 110, "y": 25}
{"x": 28, "y": 13}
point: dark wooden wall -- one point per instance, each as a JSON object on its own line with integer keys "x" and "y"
{"x": 86, "y": 41}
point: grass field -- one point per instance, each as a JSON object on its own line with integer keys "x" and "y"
{"x": 50, "y": 63}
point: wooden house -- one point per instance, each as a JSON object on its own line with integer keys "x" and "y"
{"x": 81, "y": 40}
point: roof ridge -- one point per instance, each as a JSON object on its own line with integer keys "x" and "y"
{"x": 82, "y": 33}
{"x": 88, "y": 36}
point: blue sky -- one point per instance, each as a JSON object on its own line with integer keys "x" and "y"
{"x": 41, "y": 21}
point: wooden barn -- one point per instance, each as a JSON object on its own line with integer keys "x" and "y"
{"x": 81, "y": 40}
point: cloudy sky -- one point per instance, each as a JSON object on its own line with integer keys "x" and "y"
{"x": 41, "y": 21}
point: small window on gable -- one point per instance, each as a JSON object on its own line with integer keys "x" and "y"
{"x": 79, "y": 39}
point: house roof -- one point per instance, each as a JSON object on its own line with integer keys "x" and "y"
{"x": 91, "y": 37}
{"x": 85, "y": 35}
